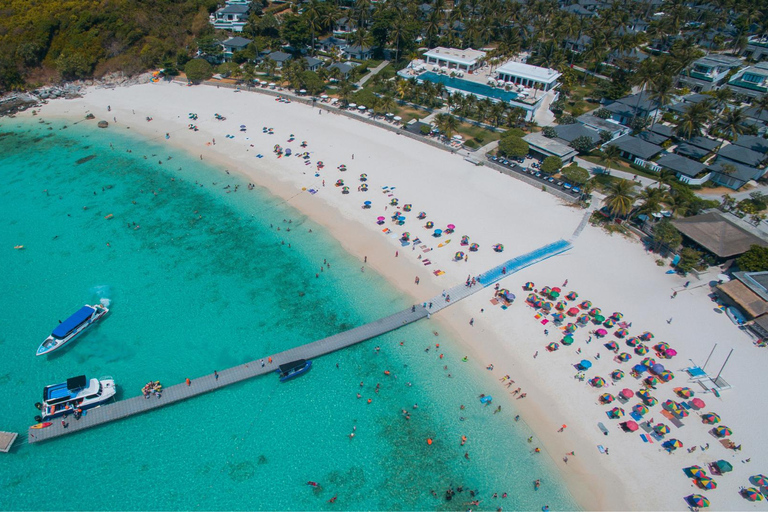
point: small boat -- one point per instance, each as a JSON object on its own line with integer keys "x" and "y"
{"x": 42, "y": 425}
{"x": 109, "y": 216}
{"x": 18, "y": 246}
{"x": 72, "y": 327}
{"x": 74, "y": 396}
{"x": 293, "y": 369}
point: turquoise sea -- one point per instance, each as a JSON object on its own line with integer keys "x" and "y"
{"x": 205, "y": 283}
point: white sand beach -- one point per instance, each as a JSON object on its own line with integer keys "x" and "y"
{"x": 614, "y": 273}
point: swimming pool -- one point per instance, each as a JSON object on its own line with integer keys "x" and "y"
{"x": 467, "y": 86}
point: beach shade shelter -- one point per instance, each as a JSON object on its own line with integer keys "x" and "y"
{"x": 639, "y": 368}
{"x": 606, "y": 398}
{"x": 662, "y": 430}
{"x": 557, "y": 289}
{"x": 662, "y": 346}
{"x": 459, "y": 255}
{"x": 528, "y": 286}
{"x": 644, "y": 393}
{"x": 672, "y": 445}
{"x": 648, "y": 362}
{"x": 598, "y": 319}
{"x": 429, "y": 224}
{"x": 627, "y": 393}
{"x": 572, "y": 296}
{"x": 554, "y": 295}
{"x": 652, "y": 380}
{"x": 669, "y": 353}
{"x": 752, "y": 494}
{"x": 624, "y": 357}
{"x": 380, "y": 220}
{"x": 422, "y": 215}
{"x": 474, "y": 247}
{"x": 620, "y": 333}
{"x": 573, "y": 312}
{"x": 646, "y": 336}
{"x": 597, "y": 382}
{"x": 585, "y": 305}
{"x": 697, "y": 501}
{"x": 567, "y": 340}
{"x": 345, "y": 189}
{"x": 666, "y": 376}
{"x": 608, "y": 324}
{"x": 594, "y": 311}
{"x": 759, "y": 480}
{"x": 364, "y": 177}
{"x": 694, "y": 471}
{"x": 465, "y": 241}
{"x": 706, "y": 483}
{"x": 585, "y": 364}
{"x": 617, "y": 316}
{"x": 406, "y": 236}
{"x": 498, "y": 248}
{"x": 633, "y": 341}
{"x": 583, "y": 319}
{"x": 630, "y": 426}
{"x": 616, "y": 412}
{"x": 723, "y": 466}
{"x": 560, "y": 306}
{"x": 450, "y": 228}
{"x": 722, "y": 431}
{"x": 407, "y": 207}
{"x": 640, "y": 409}
{"x": 658, "y": 369}
{"x": 367, "y": 204}
{"x": 617, "y": 374}
{"x": 698, "y": 403}
{"x": 601, "y": 333}
{"x": 710, "y": 418}
{"x": 553, "y": 346}
{"x": 650, "y": 401}
{"x": 611, "y": 345}
{"x": 570, "y": 328}
{"x": 641, "y": 350}
{"x": 683, "y": 392}
{"x": 438, "y": 233}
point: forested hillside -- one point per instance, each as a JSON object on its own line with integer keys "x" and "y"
{"x": 41, "y": 40}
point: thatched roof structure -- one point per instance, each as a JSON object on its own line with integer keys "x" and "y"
{"x": 718, "y": 234}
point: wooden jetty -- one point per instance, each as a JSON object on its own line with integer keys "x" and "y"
{"x": 207, "y": 383}
{"x": 6, "y": 441}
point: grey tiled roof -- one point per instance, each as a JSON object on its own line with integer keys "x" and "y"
{"x": 681, "y": 164}
{"x": 741, "y": 155}
{"x": 569, "y": 132}
{"x": 637, "y": 147}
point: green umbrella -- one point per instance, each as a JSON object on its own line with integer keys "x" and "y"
{"x": 567, "y": 340}
{"x": 724, "y": 466}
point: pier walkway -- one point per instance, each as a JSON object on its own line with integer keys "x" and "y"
{"x": 178, "y": 392}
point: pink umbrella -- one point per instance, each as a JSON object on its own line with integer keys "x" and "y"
{"x": 601, "y": 332}
{"x": 627, "y": 393}
{"x": 631, "y": 426}
{"x": 698, "y": 402}
{"x": 670, "y": 352}
{"x": 451, "y": 226}
{"x": 380, "y": 218}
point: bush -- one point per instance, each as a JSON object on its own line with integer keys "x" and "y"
{"x": 425, "y": 130}
{"x": 582, "y": 144}
{"x": 689, "y": 259}
{"x": 471, "y": 144}
{"x": 576, "y": 174}
{"x": 198, "y": 70}
{"x": 513, "y": 132}
{"x": 549, "y": 132}
{"x": 602, "y": 113}
{"x": 513, "y": 146}
{"x": 754, "y": 260}
{"x": 551, "y": 165}
{"x": 566, "y": 119}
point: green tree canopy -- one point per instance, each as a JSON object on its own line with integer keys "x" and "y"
{"x": 754, "y": 260}
{"x": 689, "y": 259}
{"x": 582, "y": 144}
{"x": 198, "y": 70}
{"x": 551, "y": 165}
{"x": 513, "y": 146}
{"x": 576, "y": 174}
{"x": 666, "y": 235}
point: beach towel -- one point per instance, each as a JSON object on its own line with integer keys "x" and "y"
{"x": 544, "y": 322}
{"x": 386, "y": 230}
{"x": 494, "y": 301}
{"x": 537, "y": 316}
{"x": 438, "y": 272}
{"x": 601, "y": 448}
{"x": 426, "y": 262}
{"x": 646, "y": 438}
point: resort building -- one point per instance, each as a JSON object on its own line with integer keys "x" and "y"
{"x": 232, "y": 45}
{"x": 233, "y": 16}
{"x": 757, "y": 48}
{"x": 453, "y": 58}
{"x": 751, "y": 81}
{"x": 625, "y": 109}
{"x": 357, "y": 52}
{"x": 686, "y": 170}
{"x": 718, "y": 233}
{"x": 634, "y": 149}
{"x": 697, "y": 147}
{"x": 603, "y": 125}
{"x": 748, "y": 291}
{"x": 280, "y": 58}
{"x": 541, "y": 147}
{"x": 735, "y": 175}
{"x": 528, "y": 76}
{"x": 708, "y": 73}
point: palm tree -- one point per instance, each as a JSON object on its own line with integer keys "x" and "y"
{"x": 693, "y": 121}
{"x": 610, "y": 155}
{"x": 644, "y": 77}
{"x": 732, "y": 122}
{"x": 447, "y": 124}
{"x": 312, "y": 15}
{"x": 620, "y": 197}
{"x": 662, "y": 93}
{"x": 362, "y": 38}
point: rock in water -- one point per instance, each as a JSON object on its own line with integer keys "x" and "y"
{"x": 103, "y": 124}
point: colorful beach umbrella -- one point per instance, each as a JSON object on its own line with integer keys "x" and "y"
{"x": 598, "y": 319}
{"x": 759, "y": 480}
{"x": 583, "y": 319}
{"x": 662, "y": 429}
{"x": 710, "y": 418}
{"x": 633, "y": 341}
{"x": 572, "y": 296}
{"x": 617, "y": 316}
{"x": 585, "y": 363}
{"x": 706, "y": 483}
{"x": 474, "y": 247}
{"x": 547, "y": 306}
{"x": 422, "y": 215}
{"x": 585, "y": 305}
{"x": 640, "y": 409}
{"x": 567, "y": 340}
{"x": 684, "y": 392}
{"x": 560, "y": 306}
{"x": 606, "y": 398}
{"x": 661, "y": 347}
{"x": 597, "y": 382}
{"x": 698, "y": 403}
{"x": 429, "y": 224}
{"x": 570, "y": 328}
{"x": 673, "y": 444}
{"x": 617, "y": 374}
{"x": 545, "y": 290}
{"x": 670, "y": 353}
{"x": 697, "y": 500}
{"x": 620, "y": 333}
{"x": 623, "y": 357}
{"x": 638, "y": 368}
{"x": 627, "y": 393}
{"x": 553, "y": 346}
{"x": 611, "y": 345}
{"x": 573, "y": 312}
{"x": 648, "y": 362}
{"x": 752, "y": 494}
{"x": 553, "y": 295}
{"x": 644, "y": 393}
{"x": 594, "y": 311}
{"x": 666, "y": 376}
{"x": 608, "y": 324}
{"x": 641, "y": 350}
{"x": 650, "y": 401}
{"x": 652, "y": 380}
{"x": 459, "y": 255}
{"x": 723, "y": 431}
{"x": 528, "y": 286}
{"x": 695, "y": 472}
{"x": 498, "y": 248}
{"x": 670, "y": 405}
{"x": 616, "y": 412}
{"x": 559, "y": 317}
{"x": 646, "y": 336}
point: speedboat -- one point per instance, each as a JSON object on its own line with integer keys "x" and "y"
{"x": 74, "y": 396}
{"x": 72, "y": 327}
{"x": 293, "y": 369}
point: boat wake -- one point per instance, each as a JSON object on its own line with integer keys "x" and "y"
{"x": 103, "y": 292}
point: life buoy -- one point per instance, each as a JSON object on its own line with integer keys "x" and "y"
{"x": 429, "y": 441}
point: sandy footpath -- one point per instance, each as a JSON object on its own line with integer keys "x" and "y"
{"x": 614, "y": 273}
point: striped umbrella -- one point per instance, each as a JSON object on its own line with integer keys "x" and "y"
{"x": 617, "y": 374}
{"x": 617, "y": 316}
{"x": 608, "y": 324}
{"x": 583, "y": 319}
{"x": 545, "y": 291}
{"x": 652, "y": 380}
{"x": 570, "y": 328}
{"x": 529, "y": 286}
{"x": 662, "y": 429}
{"x": 650, "y": 401}
{"x": 606, "y": 398}
{"x": 585, "y": 305}
{"x": 684, "y": 392}
{"x": 706, "y": 483}
{"x": 723, "y": 431}
{"x": 759, "y": 480}
{"x": 640, "y": 409}
{"x": 553, "y": 346}
{"x": 752, "y": 494}
{"x": 697, "y": 500}
{"x": 620, "y": 333}
{"x": 547, "y": 306}
{"x": 644, "y": 393}
{"x": 666, "y": 376}
{"x": 641, "y": 350}
{"x": 558, "y": 317}
{"x": 597, "y": 382}
{"x": 594, "y": 311}
{"x": 616, "y": 412}
{"x": 531, "y": 298}
{"x": 710, "y": 418}
{"x": 646, "y": 336}
{"x": 611, "y": 345}
{"x": 648, "y": 361}
{"x": 670, "y": 405}
{"x": 560, "y": 306}
{"x": 633, "y": 341}
{"x": 567, "y": 340}
{"x": 661, "y": 347}
{"x": 572, "y": 296}
{"x": 695, "y": 472}
{"x": 673, "y": 444}
{"x": 624, "y": 357}
{"x": 681, "y": 413}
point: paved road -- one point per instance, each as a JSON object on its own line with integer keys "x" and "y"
{"x": 598, "y": 169}
{"x": 374, "y": 71}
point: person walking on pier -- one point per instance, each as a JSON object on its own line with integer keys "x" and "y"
{"x": 189, "y": 382}
{"x": 216, "y": 374}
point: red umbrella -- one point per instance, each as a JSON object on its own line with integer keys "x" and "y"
{"x": 627, "y": 393}
{"x": 573, "y": 311}
{"x": 631, "y": 426}
{"x": 698, "y": 402}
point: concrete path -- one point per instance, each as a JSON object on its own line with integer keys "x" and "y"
{"x": 598, "y": 169}
{"x": 485, "y": 149}
{"x": 374, "y": 71}
{"x": 544, "y": 116}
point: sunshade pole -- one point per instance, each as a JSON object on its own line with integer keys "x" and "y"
{"x": 722, "y": 367}
{"x": 710, "y": 355}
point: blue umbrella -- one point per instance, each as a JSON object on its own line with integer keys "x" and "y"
{"x": 639, "y": 368}
{"x": 367, "y": 202}
{"x": 585, "y": 364}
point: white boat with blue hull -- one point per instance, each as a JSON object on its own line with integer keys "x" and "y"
{"x": 75, "y": 396}
{"x": 72, "y": 327}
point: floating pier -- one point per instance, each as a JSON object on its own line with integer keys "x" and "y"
{"x": 6, "y": 441}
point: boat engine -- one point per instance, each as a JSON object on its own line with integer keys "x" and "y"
{"x": 39, "y": 406}
{"x": 39, "y": 418}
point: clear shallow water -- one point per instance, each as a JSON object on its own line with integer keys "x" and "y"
{"x": 204, "y": 284}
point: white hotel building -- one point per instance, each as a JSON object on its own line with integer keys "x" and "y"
{"x": 528, "y": 76}
{"x": 467, "y": 60}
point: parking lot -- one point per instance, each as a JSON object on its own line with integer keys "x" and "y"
{"x": 530, "y": 167}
